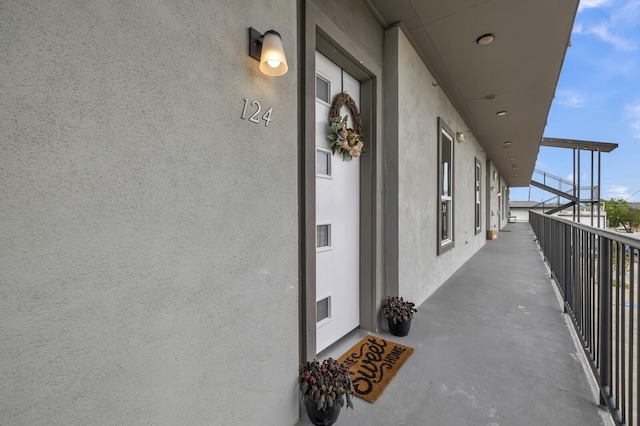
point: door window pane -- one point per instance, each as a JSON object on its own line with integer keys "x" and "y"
{"x": 323, "y": 163}
{"x": 323, "y": 238}
{"x": 322, "y": 89}
{"x": 323, "y": 309}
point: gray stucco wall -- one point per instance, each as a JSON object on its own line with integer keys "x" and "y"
{"x": 149, "y": 256}
{"x": 412, "y": 169}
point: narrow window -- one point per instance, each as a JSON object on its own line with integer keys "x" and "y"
{"x": 323, "y": 309}
{"x": 505, "y": 202}
{"x": 323, "y": 236}
{"x": 323, "y": 89}
{"x": 445, "y": 187}
{"x": 478, "y": 205}
{"x": 323, "y": 162}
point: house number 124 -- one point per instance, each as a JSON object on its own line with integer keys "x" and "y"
{"x": 255, "y": 117}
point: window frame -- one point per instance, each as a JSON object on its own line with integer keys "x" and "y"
{"x": 478, "y": 195}
{"x": 329, "y": 157}
{"x": 445, "y": 244}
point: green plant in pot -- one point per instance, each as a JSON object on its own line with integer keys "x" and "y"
{"x": 325, "y": 388}
{"x": 399, "y": 313}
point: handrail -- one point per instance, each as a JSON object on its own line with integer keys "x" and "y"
{"x": 542, "y": 203}
{"x": 554, "y": 177}
{"x": 566, "y": 186}
{"x": 597, "y": 274}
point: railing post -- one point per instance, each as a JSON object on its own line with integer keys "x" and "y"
{"x": 604, "y": 266}
{"x": 567, "y": 265}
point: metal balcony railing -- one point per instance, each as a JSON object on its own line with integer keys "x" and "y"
{"x": 596, "y": 272}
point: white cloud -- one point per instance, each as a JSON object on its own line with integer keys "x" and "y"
{"x": 591, "y": 4}
{"x": 571, "y": 175}
{"x": 570, "y": 99}
{"x": 633, "y": 113}
{"x": 604, "y": 33}
{"x": 627, "y": 14}
{"x": 618, "y": 192}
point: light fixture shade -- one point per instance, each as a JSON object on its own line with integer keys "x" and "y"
{"x": 460, "y": 137}
{"x": 272, "y": 59}
{"x": 485, "y": 39}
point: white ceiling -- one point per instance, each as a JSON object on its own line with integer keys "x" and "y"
{"x": 520, "y": 69}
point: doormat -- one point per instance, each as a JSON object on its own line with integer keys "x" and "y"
{"x": 373, "y": 362}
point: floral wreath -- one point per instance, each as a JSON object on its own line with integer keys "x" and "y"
{"x": 345, "y": 141}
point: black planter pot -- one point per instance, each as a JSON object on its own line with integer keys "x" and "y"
{"x": 322, "y": 417}
{"x": 401, "y": 328}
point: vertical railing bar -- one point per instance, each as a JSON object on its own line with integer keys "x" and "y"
{"x": 601, "y": 269}
{"x": 631, "y": 328}
{"x": 617, "y": 342}
{"x": 593, "y": 281}
{"x": 597, "y": 273}
{"x": 565, "y": 273}
{"x": 576, "y": 280}
{"x": 590, "y": 283}
{"x": 606, "y": 269}
{"x": 594, "y": 322}
{"x": 623, "y": 338}
{"x": 633, "y": 281}
{"x": 604, "y": 309}
{"x": 585, "y": 286}
{"x": 581, "y": 285}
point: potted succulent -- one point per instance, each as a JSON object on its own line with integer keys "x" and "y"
{"x": 325, "y": 388}
{"x": 399, "y": 313}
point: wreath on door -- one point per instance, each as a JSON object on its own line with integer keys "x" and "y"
{"x": 345, "y": 141}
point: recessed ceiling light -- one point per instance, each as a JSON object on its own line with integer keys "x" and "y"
{"x": 512, "y": 158}
{"x": 485, "y": 39}
{"x": 501, "y": 113}
{"x": 514, "y": 166}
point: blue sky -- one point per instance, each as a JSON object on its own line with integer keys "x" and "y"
{"x": 598, "y": 99}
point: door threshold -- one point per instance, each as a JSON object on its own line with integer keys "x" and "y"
{"x": 336, "y": 349}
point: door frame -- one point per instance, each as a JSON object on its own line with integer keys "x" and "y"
{"x": 320, "y": 33}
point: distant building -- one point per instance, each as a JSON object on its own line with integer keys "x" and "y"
{"x": 519, "y": 212}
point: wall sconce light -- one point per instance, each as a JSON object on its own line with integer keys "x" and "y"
{"x": 460, "y": 137}
{"x": 495, "y": 175}
{"x": 267, "y": 48}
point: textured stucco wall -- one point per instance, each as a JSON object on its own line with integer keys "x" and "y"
{"x": 356, "y": 20}
{"x": 148, "y": 265}
{"x": 420, "y": 270}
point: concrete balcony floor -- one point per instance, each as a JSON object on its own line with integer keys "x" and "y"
{"x": 492, "y": 347}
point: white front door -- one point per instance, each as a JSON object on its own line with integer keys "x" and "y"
{"x": 337, "y": 215}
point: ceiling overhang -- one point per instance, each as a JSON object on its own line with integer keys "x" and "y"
{"x": 517, "y": 72}
{"x": 579, "y": 144}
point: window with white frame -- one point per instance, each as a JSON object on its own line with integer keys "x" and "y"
{"x": 505, "y": 202}
{"x": 445, "y": 187}
{"x": 478, "y": 205}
